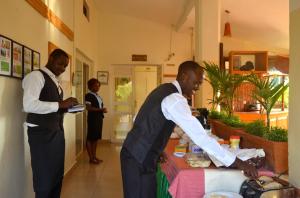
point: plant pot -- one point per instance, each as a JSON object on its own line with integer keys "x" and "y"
{"x": 276, "y": 152}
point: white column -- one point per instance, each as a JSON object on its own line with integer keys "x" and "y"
{"x": 294, "y": 94}
{"x": 207, "y": 39}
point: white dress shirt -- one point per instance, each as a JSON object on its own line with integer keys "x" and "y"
{"x": 175, "y": 107}
{"x": 33, "y": 84}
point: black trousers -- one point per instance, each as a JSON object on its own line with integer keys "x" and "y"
{"x": 53, "y": 193}
{"x": 47, "y": 149}
{"x": 137, "y": 181}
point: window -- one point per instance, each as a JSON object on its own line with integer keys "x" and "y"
{"x": 86, "y": 10}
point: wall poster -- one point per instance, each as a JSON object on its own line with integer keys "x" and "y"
{"x": 27, "y": 60}
{"x": 17, "y": 61}
{"x": 5, "y": 56}
{"x": 36, "y": 60}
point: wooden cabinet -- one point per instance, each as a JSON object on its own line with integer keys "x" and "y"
{"x": 248, "y": 61}
{"x": 280, "y": 63}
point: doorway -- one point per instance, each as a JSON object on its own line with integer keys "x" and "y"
{"x": 145, "y": 81}
{"x": 132, "y": 84}
{"x": 81, "y": 76}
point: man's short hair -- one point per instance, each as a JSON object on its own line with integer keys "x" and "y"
{"x": 55, "y": 54}
{"x": 188, "y": 66}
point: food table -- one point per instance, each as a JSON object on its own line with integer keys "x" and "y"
{"x": 178, "y": 180}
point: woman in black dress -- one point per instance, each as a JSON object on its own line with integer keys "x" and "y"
{"x": 94, "y": 105}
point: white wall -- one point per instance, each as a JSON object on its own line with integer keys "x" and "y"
{"x": 86, "y": 37}
{"x": 294, "y": 106}
{"x": 121, "y": 36}
{"x": 20, "y": 22}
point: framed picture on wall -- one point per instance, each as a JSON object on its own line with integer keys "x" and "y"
{"x": 35, "y": 60}
{"x": 27, "y": 59}
{"x": 17, "y": 60}
{"x": 102, "y": 77}
{"x": 5, "y": 56}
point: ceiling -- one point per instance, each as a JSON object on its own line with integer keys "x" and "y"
{"x": 260, "y": 21}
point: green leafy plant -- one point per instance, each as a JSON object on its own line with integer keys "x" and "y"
{"x": 277, "y": 134}
{"x": 267, "y": 92}
{"x": 224, "y": 86}
{"x": 233, "y": 121}
{"x": 216, "y": 115}
{"x": 257, "y": 128}
{"x": 212, "y": 73}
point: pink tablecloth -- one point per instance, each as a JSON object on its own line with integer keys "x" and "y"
{"x": 187, "y": 182}
{"x": 184, "y": 180}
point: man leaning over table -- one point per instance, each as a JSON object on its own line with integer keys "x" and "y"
{"x": 165, "y": 107}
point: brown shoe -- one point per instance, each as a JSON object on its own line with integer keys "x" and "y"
{"x": 94, "y": 161}
{"x": 99, "y": 160}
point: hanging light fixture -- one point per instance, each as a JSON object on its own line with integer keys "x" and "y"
{"x": 227, "y": 29}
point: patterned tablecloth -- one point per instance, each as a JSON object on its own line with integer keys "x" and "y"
{"x": 185, "y": 181}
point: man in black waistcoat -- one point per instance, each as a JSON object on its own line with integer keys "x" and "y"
{"x": 164, "y": 107}
{"x": 43, "y": 101}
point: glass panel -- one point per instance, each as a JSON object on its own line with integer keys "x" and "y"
{"x": 123, "y": 89}
{"x": 122, "y": 107}
{"x": 243, "y": 62}
{"x": 281, "y": 102}
{"x": 123, "y": 123}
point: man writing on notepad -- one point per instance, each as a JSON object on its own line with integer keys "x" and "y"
{"x": 43, "y": 101}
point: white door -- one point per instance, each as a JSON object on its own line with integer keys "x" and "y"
{"x": 129, "y": 94}
{"x": 145, "y": 81}
{"x": 122, "y": 102}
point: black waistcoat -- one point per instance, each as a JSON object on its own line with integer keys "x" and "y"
{"x": 151, "y": 130}
{"x": 48, "y": 93}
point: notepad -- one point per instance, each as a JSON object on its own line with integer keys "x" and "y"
{"x": 76, "y": 108}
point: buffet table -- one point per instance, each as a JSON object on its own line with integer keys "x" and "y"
{"x": 180, "y": 180}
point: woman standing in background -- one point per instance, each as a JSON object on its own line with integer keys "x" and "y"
{"x": 96, "y": 110}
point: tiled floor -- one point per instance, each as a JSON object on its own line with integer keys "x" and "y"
{"x": 93, "y": 181}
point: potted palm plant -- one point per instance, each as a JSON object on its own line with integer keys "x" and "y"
{"x": 267, "y": 92}
{"x": 272, "y": 140}
{"x": 224, "y": 86}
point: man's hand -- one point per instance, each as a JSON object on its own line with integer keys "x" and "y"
{"x": 104, "y": 110}
{"x": 67, "y": 103}
{"x": 163, "y": 157}
{"x": 248, "y": 169}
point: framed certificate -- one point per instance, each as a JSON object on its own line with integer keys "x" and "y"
{"x": 102, "y": 77}
{"x": 17, "y": 60}
{"x": 35, "y": 60}
{"x": 5, "y": 56}
{"x": 27, "y": 60}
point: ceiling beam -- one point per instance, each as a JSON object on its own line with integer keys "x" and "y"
{"x": 187, "y": 9}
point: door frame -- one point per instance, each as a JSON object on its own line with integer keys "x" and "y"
{"x": 86, "y": 67}
{"x": 131, "y": 68}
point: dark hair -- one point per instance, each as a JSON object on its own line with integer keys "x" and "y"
{"x": 188, "y": 66}
{"x": 55, "y": 54}
{"x": 91, "y": 83}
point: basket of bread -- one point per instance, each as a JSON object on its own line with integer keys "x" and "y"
{"x": 197, "y": 160}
